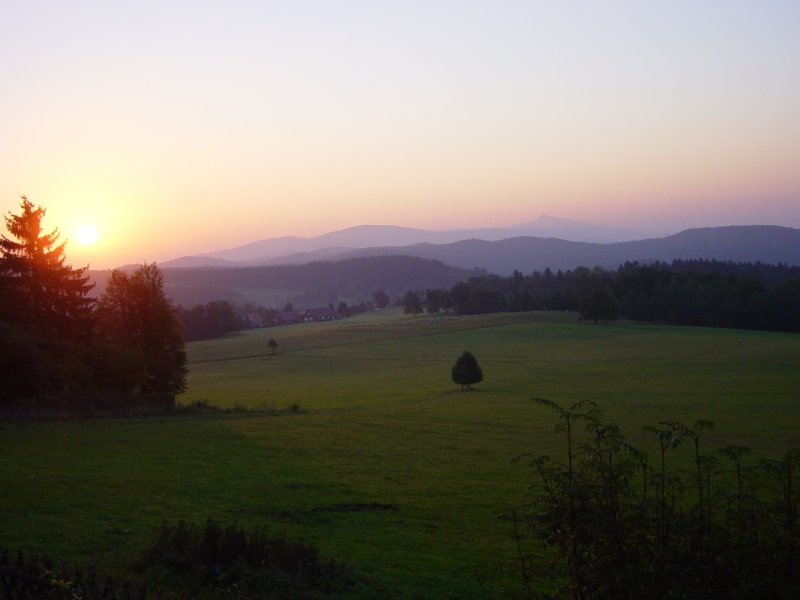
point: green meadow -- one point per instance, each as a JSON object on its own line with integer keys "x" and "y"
{"x": 387, "y": 464}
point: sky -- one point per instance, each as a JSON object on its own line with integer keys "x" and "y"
{"x": 176, "y": 128}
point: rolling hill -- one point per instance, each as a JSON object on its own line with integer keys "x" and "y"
{"x": 314, "y": 284}
{"x": 291, "y": 249}
{"x": 334, "y": 274}
{"x": 764, "y": 243}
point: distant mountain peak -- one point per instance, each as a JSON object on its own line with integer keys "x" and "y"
{"x": 548, "y": 222}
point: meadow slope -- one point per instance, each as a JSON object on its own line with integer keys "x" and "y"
{"x": 387, "y": 464}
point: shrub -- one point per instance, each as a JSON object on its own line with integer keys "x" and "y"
{"x": 213, "y": 556}
{"x": 466, "y": 371}
{"x": 621, "y": 527}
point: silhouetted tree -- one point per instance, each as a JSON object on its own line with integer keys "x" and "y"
{"x": 380, "y": 298}
{"x": 37, "y": 288}
{"x": 133, "y": 311}
{"x": 46, "y": 344}
{"x": 114, "y": 367}
{"x": 272, "y": 345}
{"x": 210, "y": 320}
{"x": 33, "y": 364}
{"x": 601, "y": 304}
{"x": 466, "y": 371}
{"x": 412, "y": 305}
{"x": 433, "y": 300}
{"x": 342, "y": 310}
{"x": 459, "y": 296}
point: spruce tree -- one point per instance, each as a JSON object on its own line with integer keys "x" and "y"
{"x": 37, "y": 289}
{"x": 466, "y": 371}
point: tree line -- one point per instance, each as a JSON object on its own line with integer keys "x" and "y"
{"x": 210, "y": 320}
{"x": 60, "y": 345}
{"x": 698, "y": 293}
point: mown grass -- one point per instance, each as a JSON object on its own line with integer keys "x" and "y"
{"x": 380, "y": 422}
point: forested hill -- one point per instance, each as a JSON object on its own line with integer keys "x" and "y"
{"x": 751, "y": 243}
{"x": 697, "y": 293}
{"x": 313, "y": 284}
{"x": 765, "y": 273}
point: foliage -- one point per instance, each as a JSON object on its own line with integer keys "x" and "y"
{"x": 272, "y": 344}
{"x": 320, "y": 283}
{"x": 380, "y": 298}
{"x": 618, "y": 526}
{"x": 412, "y": 305}
{"x": 436, "y": 300}
{"x": 33, "y": 365}
{"x": 215, "y": 561}
{"x": 114, "y": 367}
{"x": 213, "y": 557}
{"x": 41, "y": 578}
{"x": 763, "y": 272}
{"x": 37, "y": 288}
{"x": 134, "y": 312}
{"x": 53, "y": 371}
{"x": 471, "y": 299}
{"x": 206, "y": 321}
{"x": 704, "y": 293}
{"x": 46, "y": 323}
{"x": 601, "y": 304}
{"x": 466, "y": 371}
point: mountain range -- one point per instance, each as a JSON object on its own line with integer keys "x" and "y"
{"x": 523, "y": 252}
{"x": 338, "y": 271}
{"x": 751, "y": 243}
{"x": 296, "y": 250}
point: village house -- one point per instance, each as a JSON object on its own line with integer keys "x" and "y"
{"x": 254, "y": 320}
{"x": 321, "y": 314}
{"x": 287, "y": 318}
{"x": 306, "y": 315}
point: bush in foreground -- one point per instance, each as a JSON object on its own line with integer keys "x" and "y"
{"x": 190, "y": 562}
{"x": 253, "y": 563}
{"x": 620, "y": 526}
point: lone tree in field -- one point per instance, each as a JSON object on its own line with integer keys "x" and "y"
{"x": 601, "y": 304}
{"x": 466, "y": 371}
{"x": 272, "y": 345}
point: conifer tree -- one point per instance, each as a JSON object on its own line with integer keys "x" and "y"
{"x": 37, "y": 288}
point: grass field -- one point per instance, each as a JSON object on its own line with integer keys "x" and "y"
{"x": 381, "y": 422}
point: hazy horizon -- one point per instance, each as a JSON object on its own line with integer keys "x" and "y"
{"x": 185, "y": 128}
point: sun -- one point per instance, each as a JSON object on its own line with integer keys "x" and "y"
{"x": 87, "y": 234}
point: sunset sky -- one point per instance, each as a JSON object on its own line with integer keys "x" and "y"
{"x": 179, "y": 128}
